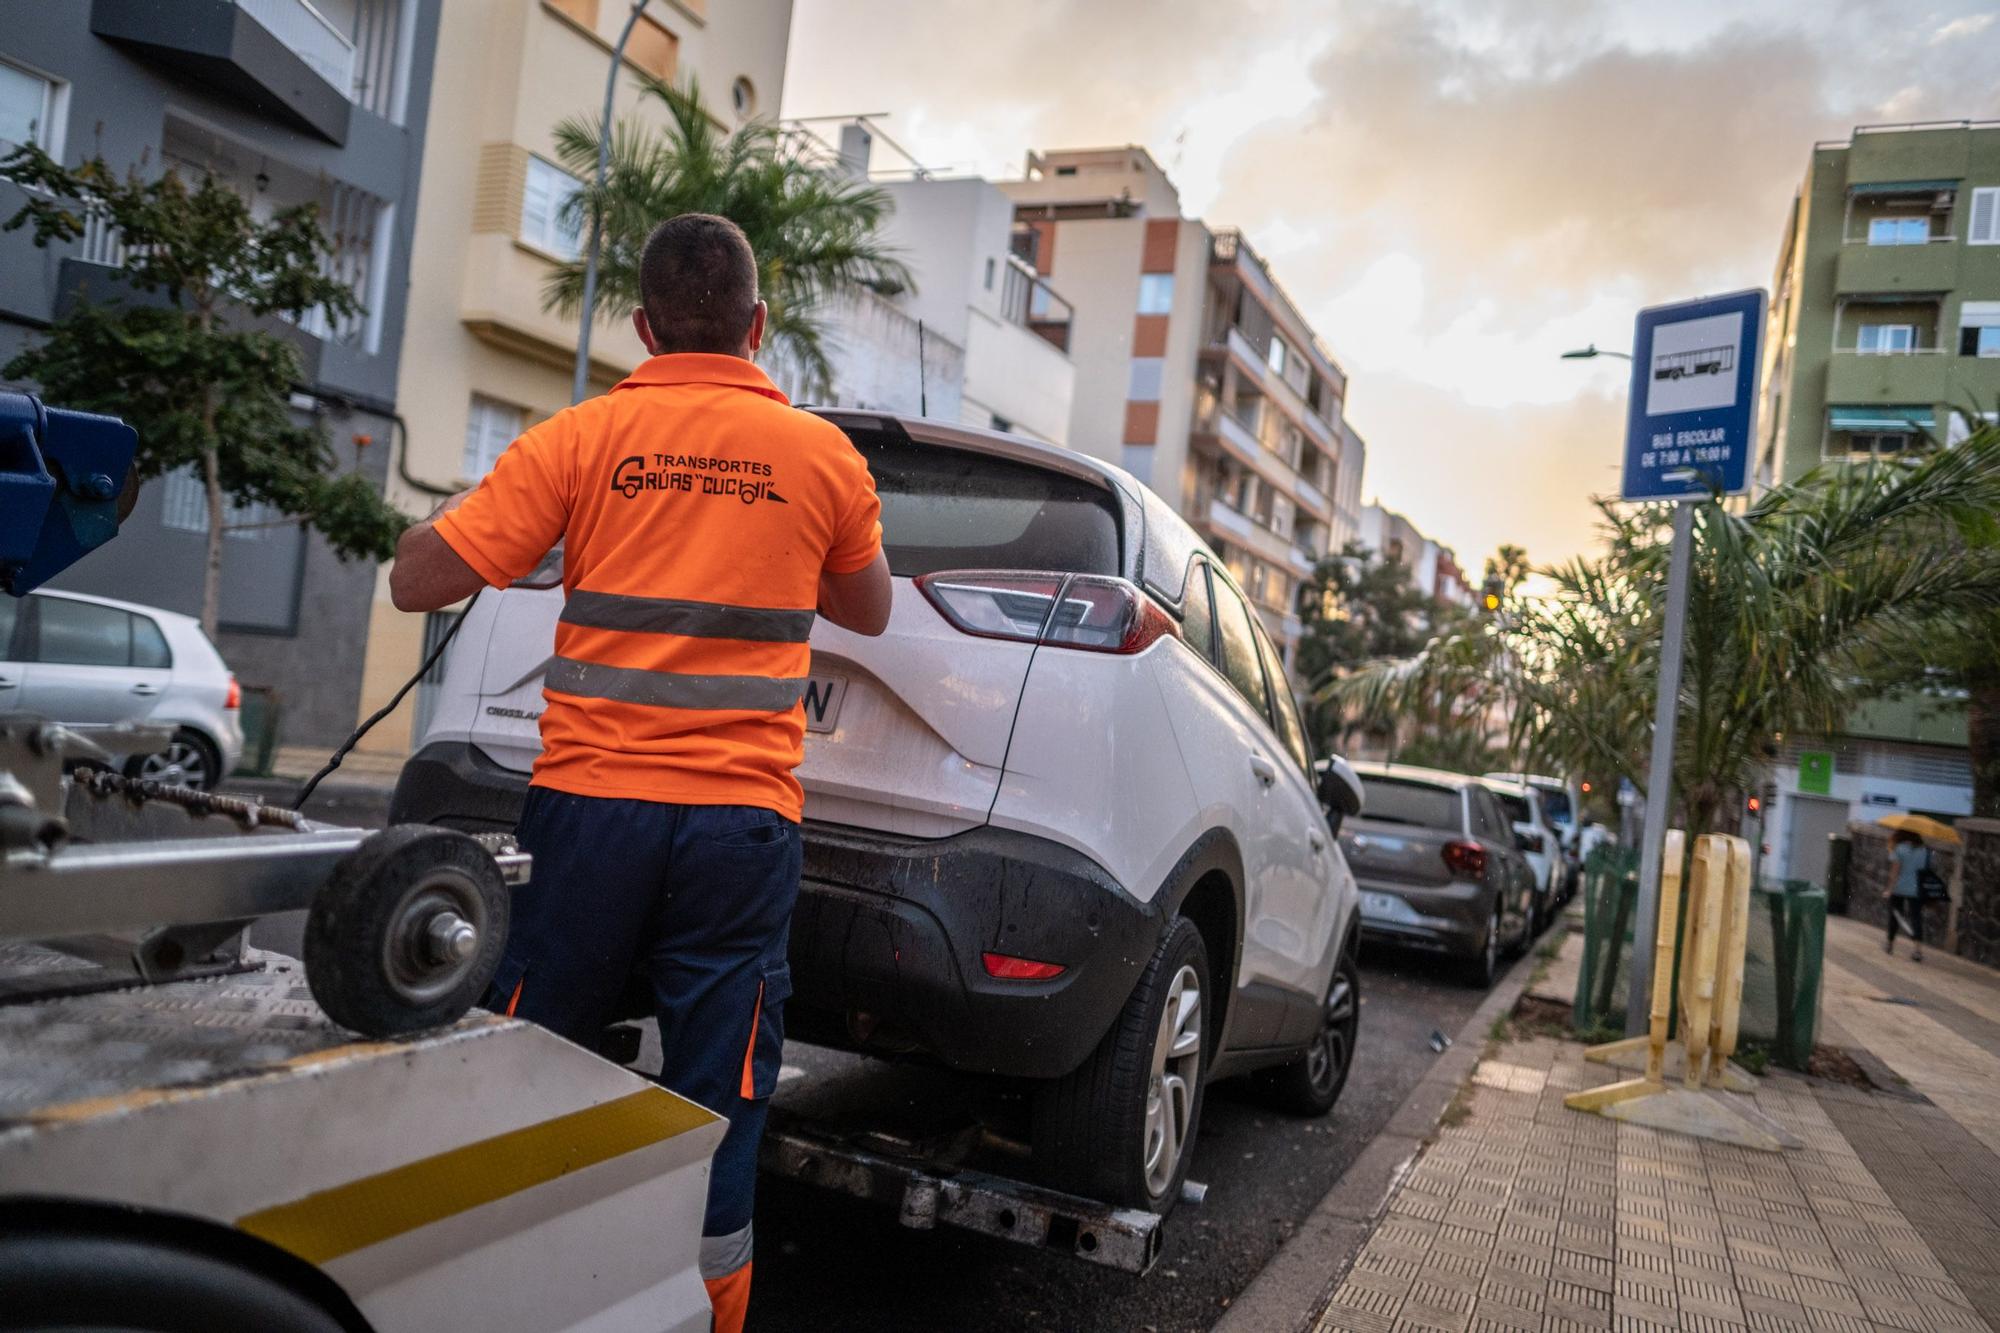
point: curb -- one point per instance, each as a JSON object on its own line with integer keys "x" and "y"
{"x": 1291, "y": 1288}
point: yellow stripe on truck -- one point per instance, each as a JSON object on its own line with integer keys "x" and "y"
{"x": 324, "y": 1226}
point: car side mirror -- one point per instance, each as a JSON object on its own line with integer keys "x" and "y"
{"x": 1526, "y": 842}
{"x": 1339, "y": 789}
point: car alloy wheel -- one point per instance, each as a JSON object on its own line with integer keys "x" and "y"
{"x": 1176, "y": 1074}
{"x": 1327, "y": 1057}
{"x": 184, "y": 762}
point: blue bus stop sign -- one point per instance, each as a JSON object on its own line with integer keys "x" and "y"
{"x": 1688, "y": 429}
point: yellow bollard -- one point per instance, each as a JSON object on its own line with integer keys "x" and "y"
{"x": 1713, "y": 939}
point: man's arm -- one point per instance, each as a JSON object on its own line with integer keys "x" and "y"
{"x": 428, "y": 575}
{"x": 857, "y": 601}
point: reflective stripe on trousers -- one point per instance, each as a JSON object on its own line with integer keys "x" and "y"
{"x": 672, "y": 689}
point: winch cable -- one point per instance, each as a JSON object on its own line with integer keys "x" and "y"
{"x": 430, "y": 660}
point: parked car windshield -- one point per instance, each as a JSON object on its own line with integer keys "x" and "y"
{"x": 1399, "y": 801}
{"x": 948, "y": 508}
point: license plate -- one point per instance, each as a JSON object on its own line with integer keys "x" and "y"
{"x": 1380, "y": 904}
{"x": 823, "y": 699}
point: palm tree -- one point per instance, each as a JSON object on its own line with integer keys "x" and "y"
{"x": 812, "y": 226}
{"x": 1803, "y": 604}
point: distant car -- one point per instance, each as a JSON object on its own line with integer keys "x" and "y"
{"x": 1062, "y": 822}
{"x": 1435, "y": 858}
{"x": 1539, "y": 843}
{"x": 1562, "y": 805}
{"x": 93, "y": 663}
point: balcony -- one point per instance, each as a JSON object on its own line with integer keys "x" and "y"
{"x": 1314, "y": 499}
{"x": 280, "y": 56}
{"x": 1251, "y": 535}
{"x": 1027, "y": 299}
{"x": 1864, "y": 268}
{"x": 1911, "y": 377}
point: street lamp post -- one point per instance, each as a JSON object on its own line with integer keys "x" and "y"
{"x": 1593, "y": 350}
{"x": 580, "y": 380}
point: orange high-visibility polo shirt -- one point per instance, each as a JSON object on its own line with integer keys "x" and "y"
{"x": 698, "y": 510}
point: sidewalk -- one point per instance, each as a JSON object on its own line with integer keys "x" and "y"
{"x": 1524, "y": 1215}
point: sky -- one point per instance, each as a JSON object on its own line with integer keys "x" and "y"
{"x": 1453, "y": 191}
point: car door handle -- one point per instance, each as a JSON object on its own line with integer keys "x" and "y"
{"x": 1262, "y": 768}
{"x": 143, "y": 688}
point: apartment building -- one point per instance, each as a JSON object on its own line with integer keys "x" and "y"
{"x": 1346, "y": 525}
{"x": 1884, "y": 326}
{"x": 288, "y": 102}
{"x": 483, "y": 360}
{"x": 1194, "y": 370}
{"x": 1433, "y": 566}
{"x": 981, "y": 338}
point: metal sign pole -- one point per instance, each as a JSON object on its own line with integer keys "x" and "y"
{"x": 1660, "y": 774}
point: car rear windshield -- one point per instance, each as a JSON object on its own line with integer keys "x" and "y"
{"x": 1399, "y": 801}
{"x": 945, "y": 508}
{"x": 1516, "y": 806}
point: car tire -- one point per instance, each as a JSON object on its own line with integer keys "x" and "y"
{"x": 195, "y": 755}
{"x": 1121, "y": 1126}
{"x": 1484, "y": 966}
{"x": 1311, "y": 1085}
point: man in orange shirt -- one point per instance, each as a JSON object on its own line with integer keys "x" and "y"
{"x": 705, "y": 522}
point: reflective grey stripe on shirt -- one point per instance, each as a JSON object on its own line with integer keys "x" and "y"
{"x": 723, "y": 1255}
{"x": 671, "y": 689}
{"x": 673, "y": 615}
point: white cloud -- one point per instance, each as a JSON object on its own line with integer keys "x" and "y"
{"x": 1969, "y": 26}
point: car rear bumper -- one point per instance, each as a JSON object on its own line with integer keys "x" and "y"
{"x": 1450, "y": 917}
{"x": 889, "y": 933}
{"x": 454, "y": 783}
{"x": 888, "y": 937}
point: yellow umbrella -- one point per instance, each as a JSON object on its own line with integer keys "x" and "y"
{"x": 1931, "y": 830}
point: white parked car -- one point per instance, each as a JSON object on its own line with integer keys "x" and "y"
{"x": 1539, "y": 842}
{"x": 93, "y": 663}
{"x": 1061, "y": 818}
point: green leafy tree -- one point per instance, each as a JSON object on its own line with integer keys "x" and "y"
{"x": 813, "y": 227}
{"x": 1354, "y": 609}
{"x": 1812, "y": 599}
{"x": 183, "y": 362}
{"x": 1510, "y": 565}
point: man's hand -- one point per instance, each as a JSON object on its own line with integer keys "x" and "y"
{"x": 428, "y": 575}
{"x": 857, "y": 601}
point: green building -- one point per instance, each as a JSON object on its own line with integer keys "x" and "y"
{"x": 1884, "y": 329}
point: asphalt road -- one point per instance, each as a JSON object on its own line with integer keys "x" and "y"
{"x": 828, "y": 1263}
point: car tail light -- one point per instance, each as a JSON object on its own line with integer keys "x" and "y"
{"x": 1009, "y": 968}
{"x": 1094, "y": 612}
{"x": 235, "y": 699}
{"x": 1467, "y": 860}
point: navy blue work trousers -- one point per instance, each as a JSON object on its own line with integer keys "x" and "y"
{"x": 692, "y": 903}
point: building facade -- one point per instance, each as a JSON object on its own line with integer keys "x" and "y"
{"x": 1884, "y": 327}
{"x": 1194, "y": 370}
{"x": 1433, "y": 566}
{"x": 288, "y": 103}
{"x": 483, "y": 360}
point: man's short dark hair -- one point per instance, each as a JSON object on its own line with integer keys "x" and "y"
{"x": 698, "y": 284}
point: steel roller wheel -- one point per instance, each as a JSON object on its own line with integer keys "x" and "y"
{"x": 407, "y": 932}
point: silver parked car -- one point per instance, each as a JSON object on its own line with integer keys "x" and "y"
{"x": 93, "y": 663}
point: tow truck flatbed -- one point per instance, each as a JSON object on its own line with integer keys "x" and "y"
{"x": 486, "y": 1174}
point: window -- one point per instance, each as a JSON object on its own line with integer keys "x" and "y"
{"x": 1985, "y": 228}
{"x": 1283, "y": 514}
{"x": 1979, "y": 328}
{"x": 743, "y": 96}
{"x": 27, "y": 108}
{"x": 1239, "y": 649}
{"x": 83, "y": 633}
{"x": 949, "y": 509}
{"x": 9, "y": 617}
{"x": 149, "y": 646}
{"x": 184, "y": 507}
{"x": 490, "y": 426}
{"x": 1881, "y": 339}
{"x": 1291, "y": 730}
{"x": 1197, "y": 615}
{"x": 1865, "y": 442}
{"x": 1156, "y": 293}
{"x": 989, "y": 273}
{"x": 544, "y": 194}
{"x": 1487, "y": 821}
{"x": 1278, "y": 355}
{"x": 1147, "y": 372}
{"x": 1899, "y": 231}
{"x": 1399, "y": 801}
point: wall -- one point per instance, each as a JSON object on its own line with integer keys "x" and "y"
{"x": 1097, "y": 270}
{"x": 1019, "y": 375}
{"x": 1979, "y": 892}
{"x": 1872, "y": 875}
{"x": 873, "y": 344}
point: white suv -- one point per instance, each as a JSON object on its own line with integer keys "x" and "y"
{"x": 91, "y": 662}
{"x": 1061, "y": 823}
